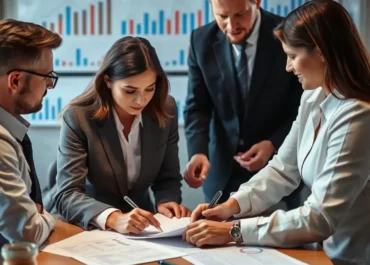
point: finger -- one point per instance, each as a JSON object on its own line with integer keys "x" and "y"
{"x": 150, "y": 217}
{"x": 204, "y": 171}
{"x": 185, "y": 212}
{"x": 193, "y": 231}
{"x": 136, "y": 224}
{"x": 204, "y": 241}
{"x": 175, "y": 209}
{"x": 214, "y": 212}
{"x": 198, "y": 212}
{"x": 250, "y": 153}
{"x": 164, "y": 210}
{"x": 141, "y": 219}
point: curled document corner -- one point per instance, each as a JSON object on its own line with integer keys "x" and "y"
{"x": 171, "y": 227}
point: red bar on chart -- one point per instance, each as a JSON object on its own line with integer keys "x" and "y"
{"x": 168, "y": 26}
{"x": 132, "y": 26}
{"x": 60, "y": 24}
{"x": 200, "y": 19}
{"x": 75, "y": 23}
{"x": 109, "y": 17}
{"x": 92, "y": 20}
{"x": 177, "y": 22}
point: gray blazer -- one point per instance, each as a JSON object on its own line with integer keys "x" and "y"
{"x": 92, "y": 175}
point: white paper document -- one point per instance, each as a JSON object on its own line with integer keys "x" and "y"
{"x": 105, "y": 247}
{"x": 241, "y": 255}
{"x": 171, "y": 227}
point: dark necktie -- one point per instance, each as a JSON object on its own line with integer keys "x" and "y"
{"x": 241, "y": 66}
{"x": 35, "y": 195}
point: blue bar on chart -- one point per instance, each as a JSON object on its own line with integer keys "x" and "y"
{"x": 182, "y": 57}
{"x": 146, "y": 23}
{"x": 154, "y": 27}
{"x": 286, "y": 11}
{"x": 278, "y": 10}
{"x": 78, "y": 57}
{"x": 68, "y": 20}
{"x": 123, "y": 27}
{"x": 272, "y": 10}
{"x": 86, "y": 62}
{"x": 161, "y": 22}
{"x": 46, "y": 107}
{"x": 192, "y": 21}
{"x": 53, "y": 115}
{"x": 138, "y": 29}
{"x": 184, "y": 23}
{"x": 300, "y": 2}
{"x": 206, "y": 11}
{"x": 292, "y": 4}
{"x": 265, "y": 4}
{"x": 40, "y": 115}
{"x": 59, "y": 105}
{"x": 57, "y": 62}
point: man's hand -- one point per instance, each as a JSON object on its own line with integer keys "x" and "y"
{"x": 256, "y": 157}
{"x": 133, "y": 222}
{"x": 205, "y": 232}
{"x": 220, "y": 212}
{"x": 171, "y": 209}
{"x": 196, "y": 170}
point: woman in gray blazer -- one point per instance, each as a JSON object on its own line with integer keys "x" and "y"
{"x": 120, "y": 138}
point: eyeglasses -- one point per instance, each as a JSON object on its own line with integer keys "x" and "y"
{"x": 53, "y": 75}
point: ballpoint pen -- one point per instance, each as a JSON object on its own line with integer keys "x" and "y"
{"x": 165, "y": 262}
{"x": 213, "y": 202}
{"x": 133, "y": 205}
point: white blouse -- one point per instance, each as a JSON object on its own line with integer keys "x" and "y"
{"x": 335, "y": 166}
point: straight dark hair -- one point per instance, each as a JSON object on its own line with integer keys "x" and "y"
{"x": 326, "y": 24}
{"x": 127, "y": 57}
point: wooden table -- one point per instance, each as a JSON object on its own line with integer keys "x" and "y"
{"x": 64, "y": 230}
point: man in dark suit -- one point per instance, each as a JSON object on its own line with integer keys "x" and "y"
{"x": 241, "y": 102}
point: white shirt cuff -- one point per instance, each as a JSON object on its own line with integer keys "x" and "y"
{"x": 101, "y": 219}
{"x": 250, "y": 230}
{"x": 50, "y": 220}
{"x": 244, "y": 203}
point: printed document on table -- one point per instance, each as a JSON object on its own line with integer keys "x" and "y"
{"x": 242, "y": 255}
{"x": 105, "y": 247}
{"x": 171, "y": 227}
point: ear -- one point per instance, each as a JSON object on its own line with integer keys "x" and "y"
{"x": 107, "y": 81}
{"x": 14, "y": 81}
{"x": 319, "y": 53}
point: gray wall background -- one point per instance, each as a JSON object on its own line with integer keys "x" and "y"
{"x": 45, "y": 139}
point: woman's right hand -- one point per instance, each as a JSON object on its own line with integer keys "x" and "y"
{"x": 220, "y": 212}
{"x": 133, "y": 222}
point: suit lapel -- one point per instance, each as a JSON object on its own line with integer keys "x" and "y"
{"x": 263, "y": 62}
{"x": 108, "y": 134}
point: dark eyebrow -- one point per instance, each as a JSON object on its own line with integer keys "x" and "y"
{"x": 134, "y": 87}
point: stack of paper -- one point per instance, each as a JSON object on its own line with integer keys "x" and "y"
{"x": 171, "y": 227}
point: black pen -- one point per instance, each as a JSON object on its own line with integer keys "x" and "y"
{"x": 164, "y": 262}
{"x": 213, "y": 203}
{"x": 133, "y": 205}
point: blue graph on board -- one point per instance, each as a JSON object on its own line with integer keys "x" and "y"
{"x": 282, "y": 9}
{"x": 49, "y": 112}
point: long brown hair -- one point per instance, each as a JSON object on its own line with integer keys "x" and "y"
{"x": 127, "y": 57}
{"x": 21, "y": 43}
{"x": 326, "y": 24}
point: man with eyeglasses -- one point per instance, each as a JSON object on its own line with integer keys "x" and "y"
{"x": 26, "y": 73}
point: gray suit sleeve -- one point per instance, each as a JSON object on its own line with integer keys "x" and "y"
{"x": 167, "y": 185}
{"x": 71, "y": 201}
{"x": 19, "y": 220}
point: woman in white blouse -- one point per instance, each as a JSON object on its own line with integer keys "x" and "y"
{"x": 328, "y": 147}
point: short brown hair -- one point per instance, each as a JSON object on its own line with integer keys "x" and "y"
{"x": 127, "y": 57}
{"x": 21, "y": 43}
{"x": 326, "y": 24}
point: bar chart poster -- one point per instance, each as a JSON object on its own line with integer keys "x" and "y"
{"x": 70, "y": 87}
{"x": 90, "y": 27}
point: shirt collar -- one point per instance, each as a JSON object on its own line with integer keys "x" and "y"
{"x": 327, "y": 103}
{"x": 16, "y": 126}
{"x": 138, "y": 120}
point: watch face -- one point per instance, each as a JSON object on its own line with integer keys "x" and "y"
{"x": 235, "y": 232}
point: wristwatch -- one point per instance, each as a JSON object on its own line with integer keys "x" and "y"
{"x": 236, "y": 232}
